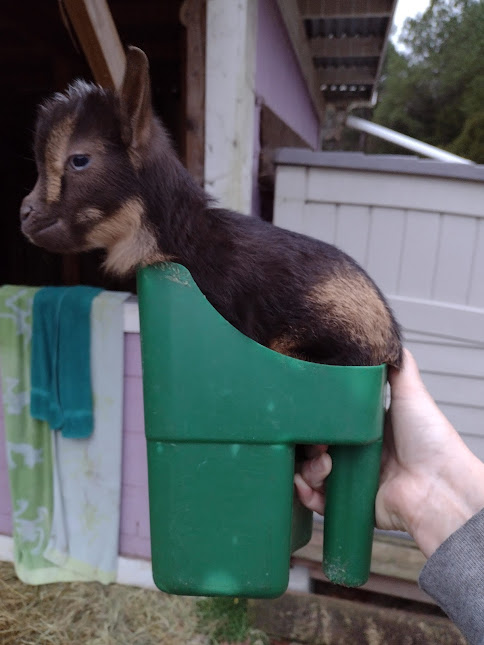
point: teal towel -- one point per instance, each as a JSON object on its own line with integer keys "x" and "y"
{"x": 61, "y": 391}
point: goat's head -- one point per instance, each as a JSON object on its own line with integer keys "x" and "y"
{"x": 89, "y": 146}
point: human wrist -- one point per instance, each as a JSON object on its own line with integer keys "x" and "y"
{"x": 451, "y": 500}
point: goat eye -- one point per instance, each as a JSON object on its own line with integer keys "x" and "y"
{"x": 79, "y": 162}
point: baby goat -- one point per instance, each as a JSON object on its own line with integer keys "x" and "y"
{"x": 108, "y": 178}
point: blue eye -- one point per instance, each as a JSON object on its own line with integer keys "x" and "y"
{"x": 79, "y": 162}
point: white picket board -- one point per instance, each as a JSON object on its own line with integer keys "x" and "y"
{"x": 353, "y": 230}
{"x": 291, "y": 183}
{"x": 387, "y": 227}
{"x": 456, "y": 389}
{"x": 438, "y": 357}
{"x": 290, "y": 214}
{"x": 419, "y": 254}
{"x": 453, "y": 272}
{"x": 319, "y": 221}
{"x": 443, "y": 319}
{"x": 467, "y": 420}
{"x": 476, "y": 287}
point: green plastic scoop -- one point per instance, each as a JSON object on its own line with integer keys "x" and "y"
{"x": 222, "y": 416}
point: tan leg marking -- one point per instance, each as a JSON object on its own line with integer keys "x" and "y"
{"x": 283, "y": 345}
{"x": 55, "y": 157}
{"x": 352, "y": 304}
{"x": 286, "y": 345}
{"x": 127, "y": 238}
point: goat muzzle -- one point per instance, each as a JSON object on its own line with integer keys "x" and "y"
{"x": 25, "y": 210}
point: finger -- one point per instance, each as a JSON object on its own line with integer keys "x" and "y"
{"x": 312, "y": 499}
{"x": 314, "y": 471}
{"x": 405, "y": 381}
{"x": 388, "y": 439}
{"x": 315, "y": 450}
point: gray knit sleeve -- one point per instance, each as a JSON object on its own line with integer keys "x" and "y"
{"x": 454, "y": 577}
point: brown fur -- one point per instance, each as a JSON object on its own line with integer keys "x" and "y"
{"x": 292, "y": 293}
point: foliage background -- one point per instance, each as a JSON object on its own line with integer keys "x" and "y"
{"x": 434, "y": 89}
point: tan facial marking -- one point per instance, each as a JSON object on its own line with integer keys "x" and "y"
{"x": 127, "y": 238}
{"x": 90, "y": 214}
{"x": 357, "y": 310}
{"x": 135, "y": 158}
{"x": 55, "y": 154}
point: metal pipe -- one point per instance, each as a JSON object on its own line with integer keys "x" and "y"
{"x": 403, "y": 140}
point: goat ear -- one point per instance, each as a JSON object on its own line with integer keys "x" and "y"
{"x": 135, "y": 99}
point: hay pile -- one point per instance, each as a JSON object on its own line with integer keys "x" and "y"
{"x": 93, "y": 614}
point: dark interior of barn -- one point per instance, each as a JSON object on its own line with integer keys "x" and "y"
{"x": 40, "y": 55}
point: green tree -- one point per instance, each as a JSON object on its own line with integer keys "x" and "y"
{"x": 470, "y": 142}
{"x": 434, "y": 90}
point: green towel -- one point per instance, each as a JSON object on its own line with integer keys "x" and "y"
{"x": 29, "y": 447}
{"x": 61, "y": 372}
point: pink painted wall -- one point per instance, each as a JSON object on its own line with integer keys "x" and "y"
{"x": 279, "y": 82}
{"x": 280, "y": 85}
{"x": 134, "y": 525}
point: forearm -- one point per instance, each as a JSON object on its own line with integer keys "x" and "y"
{"x": 454, "y": 577}
{"x": 450, "y": 532}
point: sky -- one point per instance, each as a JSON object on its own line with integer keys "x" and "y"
{"x": 407, "y": 9}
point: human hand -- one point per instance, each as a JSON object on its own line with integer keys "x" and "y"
{"x": 430, "y": 483}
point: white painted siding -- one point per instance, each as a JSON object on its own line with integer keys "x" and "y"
{"x": 229, "y": 101}
{"x": 418, "y": 229}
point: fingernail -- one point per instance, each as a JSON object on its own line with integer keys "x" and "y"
{"x": 325, "y": 462}
{"x": 299, "y": 481}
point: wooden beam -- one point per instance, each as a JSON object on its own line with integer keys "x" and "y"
{"x": 369, "y": 46}
{"x": 381, "y": 584}
{"x": 319, "y": 620}
{"x": 292, "y": 19}
{"x": 391, "y": 556}
{"x": 347, "y": 76}
{"x": 395, "y": 587}
{"x": 193, "y": 15}
{"x": 94, "y": 26}
{"x": 313, "y": 9}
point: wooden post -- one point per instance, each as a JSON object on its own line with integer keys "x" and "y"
{"x": 193, "y": 16}
{"x": 230, "y": 102}
{"x": 94, "y": 26}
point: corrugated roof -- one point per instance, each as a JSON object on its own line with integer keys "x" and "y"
{"x": 347, "y": 41}
{"x": 346, "y": 27}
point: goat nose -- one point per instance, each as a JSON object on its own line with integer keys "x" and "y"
{"x": 25, "y": 211}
